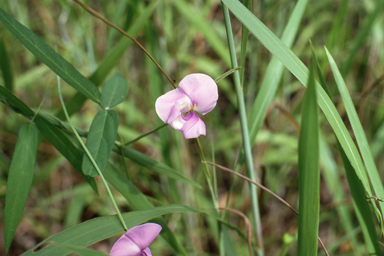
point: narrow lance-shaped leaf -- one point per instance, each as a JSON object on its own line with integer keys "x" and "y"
{"x": 359, "y": 132}
{"x": 50, "y": 58}
{"x": 5, "y": 66}
{"x": 101, "y": 138}
{"x": 114, "y": 91}
{"x": 19, "y": 180}
{"x": 98, "y": 229}
{"x": 309, "y": 172}
{"x": 50, "y": 131}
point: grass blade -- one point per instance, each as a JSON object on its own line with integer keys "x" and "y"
{"x": 358, "y": 131}
{"x": 273, "y": 74}
{"x": 362, "y": 209}
{"x": 50, "y": 58}
{"x": 101, "y": 228}
{"x": 299, "y": 70}
{"x": 6, "y": 66}
{"x": 309, "y": 172}
{"x": 244, "y": 132}
{"x": 19, "y": 180}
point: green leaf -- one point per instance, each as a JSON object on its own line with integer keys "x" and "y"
{"x": 64, "y": 145}
{"x": 5, "y": 66}
{"x": 19, "y": 180}
{"x": 51, "y": 132}
{"x": 139, "y": 201}
{"x": 273, "y": 74}
{"x": 359, "y": 132}
{"x": 309, "y": 172}
{"x": 363, "y": 212}
{"x": 79, "y": 250}
{"x": 50, "y": 58}
{"x": 299, "y": 70}
{"x": 154, "y": 165}
{"x": 101, "y": 228}
{"x": 101, "y": 138}
{"x": 114, "y": 91}
{"x": 109, "y": 61}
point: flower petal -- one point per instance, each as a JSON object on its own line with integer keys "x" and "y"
{"x": 124, "y": 246}
{"x": 202, "y": 90}
{"x": 175, "y": 118}
{"x": 146, "y": 252}
{"x": 194, "y": 127}
{"x": 136, "y": 240}
{"x": 143, "y": 235}
{"x": 165, "y": 103}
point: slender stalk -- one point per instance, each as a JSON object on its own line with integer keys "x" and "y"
{"x": 90, "y": 157}
{"x": 145, "y": 134}
{"x": 109, "y": 23}
{"x": 244, "y": 130}
{"x": 207, "y": 175}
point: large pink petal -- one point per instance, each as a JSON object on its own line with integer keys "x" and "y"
{"x": 194, "y": 127}
{"x": 165, "y": 103}
{"x": 202, "y": 90}
{"x": 143, "y": 235}
{"x": 136, "y": 240}
{"x": 124, "y": 246}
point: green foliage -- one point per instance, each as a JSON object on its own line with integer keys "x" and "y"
{"x": 50, "y": 58}
{"x": 20, "y": 178}
{"x": 101, "y": 138}
{"x": 152, "y": 173}
{"x": 309, "y": 171}
{"x": 114, "y": 91}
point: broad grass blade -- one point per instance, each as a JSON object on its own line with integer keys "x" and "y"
{"x": 358, "y": 131}
{"x": 357, "y": 190}
{"x": 299, "y": 70}
{"x": 362, "y": 209}
{"x": 101, "y": 138}
{"x": 19, "y": 180}
{"x": 50, "y": 58}
{"x": 6, "y": 66}
{"x": 114, "y": 91}
{"x": 79, "y": 250}
{"x": 309, "y": 172}
{"x": 101, "y": 228}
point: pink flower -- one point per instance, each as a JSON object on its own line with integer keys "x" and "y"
{"x": 136, "y": 240}
{"x": 196, "y": 92}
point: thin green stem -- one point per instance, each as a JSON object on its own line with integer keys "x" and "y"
{"x": 145, "y": 134}
{"x": 45, "y": 95}
{"x": 207, "y": 175}
{"x": 244, "y": 130}
{"x": 90, "y": 157}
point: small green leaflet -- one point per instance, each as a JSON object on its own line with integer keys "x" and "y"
{"x": 100, "y": 141}
{"x": 114, "y": 91}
